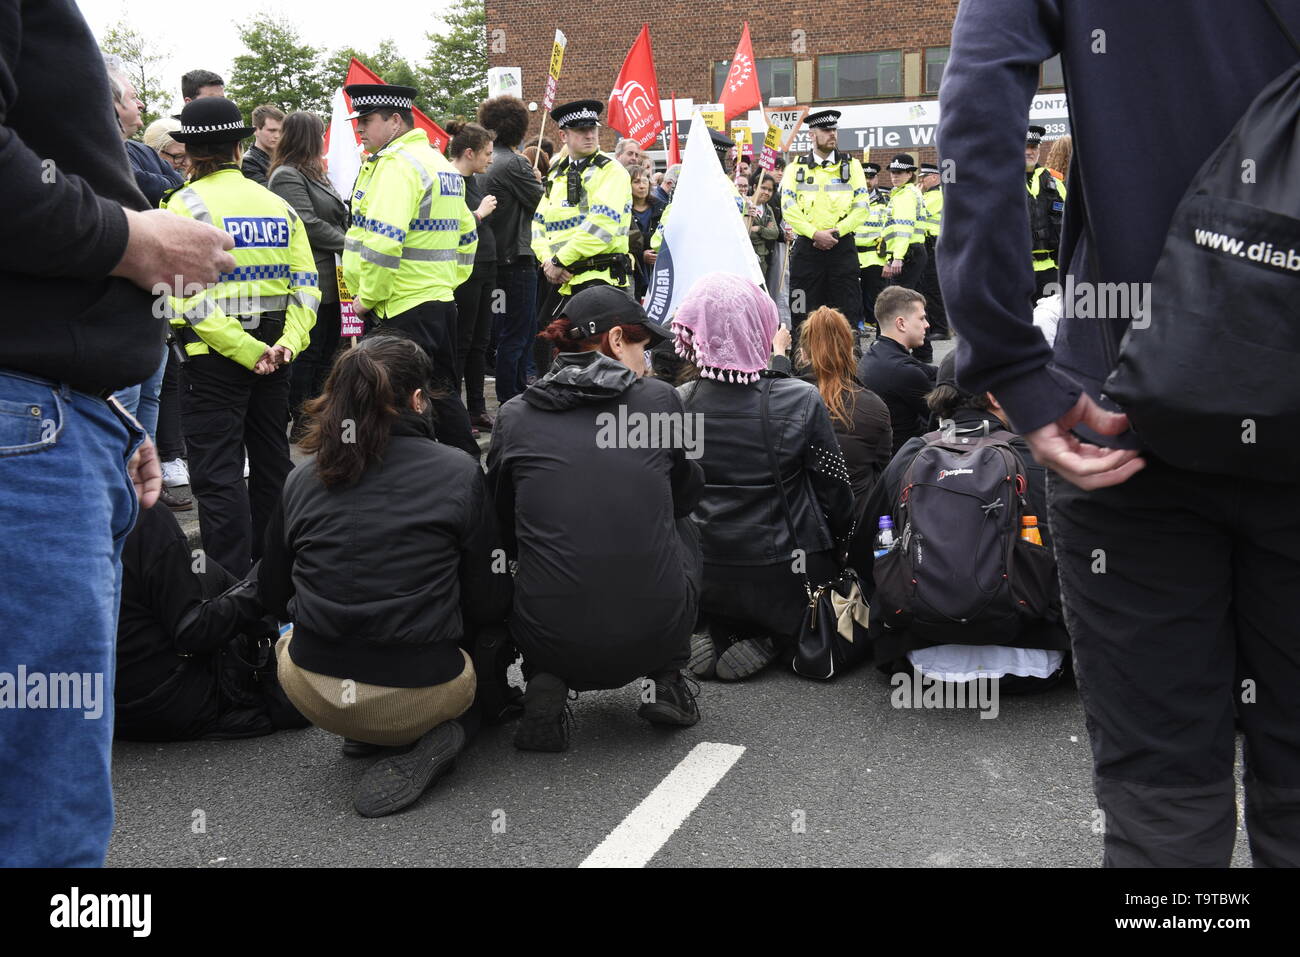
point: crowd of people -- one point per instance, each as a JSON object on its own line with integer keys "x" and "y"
{"x": 657, "y": 501}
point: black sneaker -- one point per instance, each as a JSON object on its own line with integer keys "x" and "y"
{"x": 704, "y": 656}
{"x": 394, "y": 783}
{"x": 745, "y": 657}
{"x": 545, "y": 722}
{"x": 673, "y": 704}
{"x": 352, "y": 748}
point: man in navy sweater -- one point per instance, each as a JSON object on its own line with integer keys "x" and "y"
{"x": 1179, "y": 586}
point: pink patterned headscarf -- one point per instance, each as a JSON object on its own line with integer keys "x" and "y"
{"x": 725, "y": 327}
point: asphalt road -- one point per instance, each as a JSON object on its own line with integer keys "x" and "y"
{"x": 830, "y": 774}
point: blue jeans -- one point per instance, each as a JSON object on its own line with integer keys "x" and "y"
{"x": 142, "y": 400}
{"x": 518, "y": 326}
{"x": 66, "y": 506}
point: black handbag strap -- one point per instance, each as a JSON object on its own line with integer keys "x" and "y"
{"x": 766, "y": 394}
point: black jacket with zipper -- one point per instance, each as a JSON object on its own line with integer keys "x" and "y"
{"x": 740, "y": 515}
{"x": 376, "y": 576}
{"x": 323, "y": 213}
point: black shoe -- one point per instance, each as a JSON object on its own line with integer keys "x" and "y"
{"x": 176, "y": 501}
{"x": 482, "y": 421}
{"x": 673, "y": 704}
{"x": 396, "y": 782}
{"x": 704, "y": 656}
{"x": 746, "y": 657}
{"x": 545, "y": 723}
{"x": 352, "y": 748}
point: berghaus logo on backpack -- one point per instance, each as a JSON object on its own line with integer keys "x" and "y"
{"x": 944, "y": 473}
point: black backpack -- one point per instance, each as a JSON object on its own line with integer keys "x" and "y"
{"x": 959, "y": 572}
{"x": 1208, "y": 377}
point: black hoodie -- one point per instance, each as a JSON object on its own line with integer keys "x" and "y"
{"x": 601, "y": 591}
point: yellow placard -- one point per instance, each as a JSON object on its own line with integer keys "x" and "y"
{"x": 740, "y": 134}
{"x": 557, "y": 54}
{"x": 715, "y": 118}
{"x": 773, "y": 139}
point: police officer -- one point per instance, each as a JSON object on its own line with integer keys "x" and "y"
{"x": 903, "y": 237}
{"x": 824, "y": 199}
{"x": 867, "y": 237}
{"x": 238, "y": 336}
{"x": 411, "y": 242}
{"x": 1046, "y": 207}
{"x": 932, "y": 220}
{"x": 581, "y": 224}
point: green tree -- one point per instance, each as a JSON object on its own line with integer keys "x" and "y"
{"x": 455, "y": 71}
{"x": 278, "y": 69}
{"x": 142, "y": 61}
{"x": 387, "y": 61}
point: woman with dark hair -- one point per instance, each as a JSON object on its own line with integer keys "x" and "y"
{"x": 297, "y": 175}
{"x": 470, "y": 151}
{"x": 859, "y": 417}
{"x": 518, "y": 188}
{"x": 754, "y": 573}
{"x": 592, "y": 473}
{"x": 238, "y": 336}
{"x": 381, "y": 554}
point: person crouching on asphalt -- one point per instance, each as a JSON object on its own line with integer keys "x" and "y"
{"x": 593, "y": 504}
{"x": 384, "y": 554}
{"x": 754, "y": 587}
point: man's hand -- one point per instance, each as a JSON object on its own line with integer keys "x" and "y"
{"x": 146, "y": 473}
{"x": 781, "y": 341}
{"x": 282, "y": 354}
{"x": 1080, "y": 463}
{"x": 556, "y": 275}
{"x": 163, "y": 246}
{"x": 360, "y": 311}
{"x": 893, "y": 269}
{"x": 649, "y": 257}
{"x": 485, "y": 208}
{"x": 824, "y": 239}
{"x": 266, "y": 364}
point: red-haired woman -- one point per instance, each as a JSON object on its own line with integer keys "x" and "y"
{"x": 593, "y": 475}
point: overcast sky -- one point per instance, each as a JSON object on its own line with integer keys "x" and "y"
{"x": 204, "y": 35}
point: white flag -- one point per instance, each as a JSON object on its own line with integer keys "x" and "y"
{"x": 705, "y": 233}
{"x": 344, "y": 156}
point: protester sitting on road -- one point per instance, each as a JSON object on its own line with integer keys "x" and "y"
{"x": 753, "y": 597}
{"x": 381, "y": 554}
{"x": 859, "y": 417}
{"x": 1037, "y": 660}
{"x": 593, "y": 496}
{"x": 888, "y": 367}
{"x": 190, "y": 641}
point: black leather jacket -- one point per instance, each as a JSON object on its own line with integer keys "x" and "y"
{"x": 739, "y": 515}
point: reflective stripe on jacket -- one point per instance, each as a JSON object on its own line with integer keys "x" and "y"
{"x": 596, "y": 225}
{"x": 815, "y": 196}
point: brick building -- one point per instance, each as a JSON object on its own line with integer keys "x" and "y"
{"x": 849, "y": 54}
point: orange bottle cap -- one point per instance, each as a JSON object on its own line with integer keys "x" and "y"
{"x": 1029, "y": 520}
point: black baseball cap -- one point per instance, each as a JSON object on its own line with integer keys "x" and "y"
{"x": 600, "y": 308}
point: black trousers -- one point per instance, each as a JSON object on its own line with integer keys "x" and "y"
{"x": 915, "y": 262}
{"x": 474, "y": 320}
{"x": 824, "y": 277}
{"x": 872, "y": 281}
{"x": 935, "y": 312}
{"x": 171, "y": 442}
{"x": 1042, "y": 279}
{"x": 309, "y": 371}
{"x": 433, "y": 326}
{"x": 225, "y": 411}
{"x": 1180, "y": 593}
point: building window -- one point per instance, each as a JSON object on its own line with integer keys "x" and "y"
{"x": 859, "y": 75}
{"x": 936, "y": 58}
{"x": 1053, "y": 75}
{"x": 775, "y": 77}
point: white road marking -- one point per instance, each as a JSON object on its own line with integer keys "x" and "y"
{"x": 641, "y": 834}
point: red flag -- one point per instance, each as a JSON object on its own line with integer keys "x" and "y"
{"x": 358, "y": 72}
{"x": 740, "y": 92}
{"x": 634, "y": 104}
{"x": 674, "y": 149}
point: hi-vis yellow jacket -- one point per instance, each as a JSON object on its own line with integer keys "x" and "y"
{"x": 820, "y": 196}
{"x": 593, "y": 222}
{"x": 904, "y": 225}
{"x": 412, "y": 238}
{"x": 932, "y": 205}
{"x": 274, "y": 269}
{"x": 867, "y": 235}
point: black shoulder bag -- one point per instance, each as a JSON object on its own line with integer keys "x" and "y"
{"x": 833, "y": 633}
